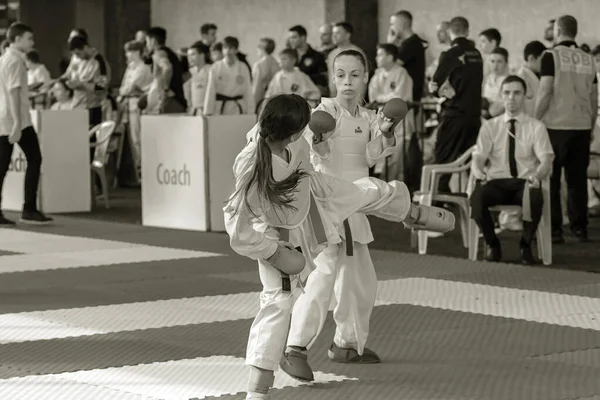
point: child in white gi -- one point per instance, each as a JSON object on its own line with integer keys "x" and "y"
{"x": 198, "y": 56}
{"x": 280, "y": 204}
{"x": 291, "y": 80}
{"x": 229, "y": 89}
{"x": 264, "y": 69}
{"x": 389, "y": 81}
{"x": 345, "y": 269}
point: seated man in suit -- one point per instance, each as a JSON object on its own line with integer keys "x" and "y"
{"x": 512, "y": 149}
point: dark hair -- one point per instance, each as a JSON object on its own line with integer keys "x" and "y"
{"x": 405, "y": 14}
{"x": 459, "y": 26}
{"x": 501, "y": 51}
{"x": 206, "y": 28}
{"x": 567, "y": 25}
{"x": 201, "y": 48}
{"x": 63, "y": 82}
{"x": 282, "y": 116}
{"x": 585, "y": 47}
{"x": 289, "y": 52}
{"x": 345, "y": 26}
{"x": 217, "y": 47}
{"x": 4, "y": 45}
{"x": 390, "y": 49}
{"x": 17, "y": 29}
{"x": 492, "y": 34}
{"x": 269, "y": 45}
{"x": 231, "y": 42}
{"x": 134, "y": 45}
{"x": 159, "y": 34}
{"x": 80, "y": 32}
{"x": 353, "y": 53}
{"x": 596, "y": 50}
{"x": 33, "y": 56}
{"x": 77, "y": 43}
{"x": 535, "y": 49}
{"x": 299, "y": 29}
{"x": 514, "y": 78}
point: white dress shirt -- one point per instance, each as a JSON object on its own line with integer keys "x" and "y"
{"x": 532, "y": 148}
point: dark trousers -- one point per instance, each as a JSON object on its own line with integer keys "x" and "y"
{"x": 31, "y": 147}
{"x": 454, "y": 136}
{"x": 571, "y": 152}
{"x": 504, "y": 192}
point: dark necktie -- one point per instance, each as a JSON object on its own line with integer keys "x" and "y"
{"x": 512, "y": 161}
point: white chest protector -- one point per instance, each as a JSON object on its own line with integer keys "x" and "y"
{"x": 348, "y": 147}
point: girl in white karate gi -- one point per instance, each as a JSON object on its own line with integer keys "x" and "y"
{"x": 282, "y": 204}
{"x": 345, "y": 269}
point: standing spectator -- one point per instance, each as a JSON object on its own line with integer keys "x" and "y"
{"x": 443, "y": 37}
{"x": 168, "y": 72}
{"x": 208, "y": 34}
{"x": 216, "y": 52}
{"x": 264, "y": 69}
{"x": 38, "y": 78}
{"x": 87, "y": 75}
{"x": 549, "y": 32}
{"x": 498, "y": 62}
{"x": 310, "y": 61}
{"x": 411, "y": 50}
{"x": 229, "y": 89}
{"x": 459, "y": 76}
{"x": 290, "y": 80}
{"x": 199, "y": 56}
{"x": 136, "y": 82}
{"x": 342, "y": 38}
{"x": 325, "y": 35}
{"x": 489, "y": 40}
{"x": 530, "y": 72}
{"x": 567, "y": 103}
{"x": 15, "y": 121}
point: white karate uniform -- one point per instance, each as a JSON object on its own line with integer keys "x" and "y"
{"x": 355, "y": 146}
{"x": 198, "y": 83}
{"x": 293, "y": 82}
{"x": 263, "y": 72}
{"x": 232, "y": 81}
{"x": 384, "y": 86}
{"x": 256, "y": 237}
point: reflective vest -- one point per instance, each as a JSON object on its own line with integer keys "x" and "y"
{"x": 570, "y": 106}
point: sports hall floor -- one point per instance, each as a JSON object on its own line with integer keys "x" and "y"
{"x": 91, "y": 309}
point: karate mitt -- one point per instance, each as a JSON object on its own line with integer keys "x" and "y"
{"x": 429, "y": 218}
{"x": 287, "y": 259}
{"x": 322, "y": 125}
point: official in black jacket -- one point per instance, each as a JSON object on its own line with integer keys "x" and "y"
{"x": 458, "y": 78}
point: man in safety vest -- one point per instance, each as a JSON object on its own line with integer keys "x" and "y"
{"x": 567, "y": 102}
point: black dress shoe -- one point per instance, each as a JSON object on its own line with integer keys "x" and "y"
{"x": 527, "y": 255}
{"x": 494, "y": 253}
{"x": 581, "y": 234}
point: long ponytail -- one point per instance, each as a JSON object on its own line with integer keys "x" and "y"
{"x": 282, "y": 117}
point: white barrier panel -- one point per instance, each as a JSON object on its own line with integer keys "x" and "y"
{"x": 226, "y": 138}
{"x": 187, "y": 168}
{"x": 65, "y": 176}
{"x": 174, "y": 185}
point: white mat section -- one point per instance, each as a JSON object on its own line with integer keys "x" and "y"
{"x": 47, "y": 251}
{"x": 172, "y": 380}
{"x": 550, "y": 308}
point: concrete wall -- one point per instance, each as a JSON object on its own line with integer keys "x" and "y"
{"x": 519, "y": 21}
{"x": 248, "y": 20}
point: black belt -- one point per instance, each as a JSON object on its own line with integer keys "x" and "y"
{"x": 225, "y": 99}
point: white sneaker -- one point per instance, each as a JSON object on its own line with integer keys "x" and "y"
{"x": 257, "y": 396}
